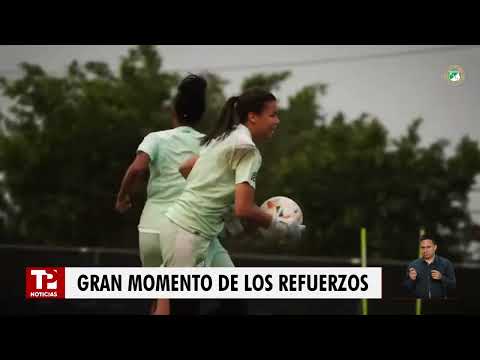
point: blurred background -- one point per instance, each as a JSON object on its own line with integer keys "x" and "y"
{"x": 370, "y": 136}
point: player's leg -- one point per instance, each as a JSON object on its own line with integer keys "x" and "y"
{"x": 162, "y": 307}
{"x": 150, "y": 251}
{"x": 151, "y": 256}
{"x": 218, "y": 256}
{"x": 181, "y": 248}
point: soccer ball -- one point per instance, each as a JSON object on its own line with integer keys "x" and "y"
{"x": 285, "y": 208}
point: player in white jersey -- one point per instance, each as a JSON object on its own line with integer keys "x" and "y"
{"x": 223, "y": 175}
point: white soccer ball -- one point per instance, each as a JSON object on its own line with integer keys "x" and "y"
{"x": 285, "y": 208}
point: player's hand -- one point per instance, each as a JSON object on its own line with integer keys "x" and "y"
{"x": 286, "y": 231}
{"x": 123, "y": 204}
{"x": 436, "y": 275}
{"x": 412, "y": 273}
{"x": 295, "y": 231}
{"x": 233, "y": 225}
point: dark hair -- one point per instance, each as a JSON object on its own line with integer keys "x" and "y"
{"x": 426, "y": 237}
{"x": 190, "y": 102}
{"x": 235, "y": 111}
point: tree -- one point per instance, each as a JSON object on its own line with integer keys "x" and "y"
{"x": 67, "y": 141}
{"x": 349, "y": 174}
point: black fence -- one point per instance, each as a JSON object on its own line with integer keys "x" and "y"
{"x": 465, "y": 299}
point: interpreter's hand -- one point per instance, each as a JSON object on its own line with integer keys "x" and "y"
{"x": 123, "y": 204}
{"x": 412, "y": 273}
{"x": 436, "y": 275}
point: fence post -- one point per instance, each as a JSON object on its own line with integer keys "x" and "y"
{"x": 363, "y": 252}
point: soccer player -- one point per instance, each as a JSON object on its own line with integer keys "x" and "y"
{"x": 224, "y": 174}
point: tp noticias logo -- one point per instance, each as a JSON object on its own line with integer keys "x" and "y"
{"x": 455, "y": 75}
{"x": 45, "y": 283}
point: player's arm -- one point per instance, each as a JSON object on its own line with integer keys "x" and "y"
{"x": 249, "y": 227}
{"x": 247, "y": 210}
{"x": 187, "y": 166}
{"x": 246, "y": 163}
{"x": 134, "y": 173}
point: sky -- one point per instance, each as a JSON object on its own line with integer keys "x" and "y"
{"x": 396, "y": 89}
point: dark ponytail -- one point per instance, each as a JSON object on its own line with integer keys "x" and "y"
{"x": 226, "y": 122}
{"x": 190, "y": 101}
{"x": 235, "y": 111}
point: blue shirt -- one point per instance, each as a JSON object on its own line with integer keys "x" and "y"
{"x": 425, "y": 287}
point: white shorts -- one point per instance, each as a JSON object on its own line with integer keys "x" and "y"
{"x": 172, "y": 247}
